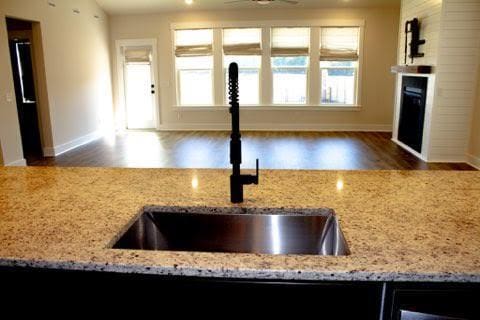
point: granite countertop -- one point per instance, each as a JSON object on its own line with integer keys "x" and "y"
{"x": 400, "y": 225}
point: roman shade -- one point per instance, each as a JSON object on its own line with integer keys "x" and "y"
{"x": 339, "y": 43}
{"x": 242, "y": 42}
{"x": 290, "y": 42}
{"x": 193, "y": 43}
{"x": 138, "y": 55}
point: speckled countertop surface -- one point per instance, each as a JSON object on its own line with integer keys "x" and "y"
{"x": 400, "y": 225}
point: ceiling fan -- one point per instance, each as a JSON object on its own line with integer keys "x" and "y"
{"x": 263, "y": 2}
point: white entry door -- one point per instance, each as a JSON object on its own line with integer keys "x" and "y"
{"x": 139, "y": 87}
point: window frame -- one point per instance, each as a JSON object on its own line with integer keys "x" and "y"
{"x": 357, "y": 70}
{"x": 177, "y": 71}
{"x": 266, "y": 75}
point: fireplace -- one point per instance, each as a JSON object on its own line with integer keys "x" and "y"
{"x": 412, "y": 111}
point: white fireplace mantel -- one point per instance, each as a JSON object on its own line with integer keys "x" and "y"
{"x": 429, "y": 104}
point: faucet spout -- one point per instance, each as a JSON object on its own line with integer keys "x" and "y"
{"x": 237, "y": 180}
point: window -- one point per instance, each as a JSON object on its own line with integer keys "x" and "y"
{"x": 339, "y": 50}
{"x": 289, "y": 52}
{"x": 279, "y": 74}
{"x": 243, "y": 46}
{"x": 194, "y": 66}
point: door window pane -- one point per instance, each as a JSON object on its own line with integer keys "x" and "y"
{"x": 139, "y": 99}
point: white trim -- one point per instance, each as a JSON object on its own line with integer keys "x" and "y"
{"x": 404, "y": 146}
{"x": 268, "y": 23}
{"x": 17, "y": 163}
{"x": 474, "y": 161}
{"x": 361, "y": 58}
{"x": 449, "y": 159}
{"x": 429, "y": 103}
{"x": 298, "y": 107}
{"x": 277, "y": 127}
{"x": 57, "y": 150}
{"x": 314, "y": 78}
{"x": 119, "y": 44}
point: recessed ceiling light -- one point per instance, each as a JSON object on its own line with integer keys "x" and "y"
{"x": 189, "y": 2}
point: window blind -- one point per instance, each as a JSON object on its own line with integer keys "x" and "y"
{"x": 138, "y": 55}
{"x": 242, "y": 42}
{"x": 290, "y": 42}
{"x": 193, "y": 43}
{"x": 339, "y": 43}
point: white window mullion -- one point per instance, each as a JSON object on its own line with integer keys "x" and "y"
{"x": 314, "y": 74}
{"x": 218, "y": 75}
{"x": 266, "y": 79}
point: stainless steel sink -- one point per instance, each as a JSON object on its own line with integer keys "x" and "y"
{"x": 238, "y": 230}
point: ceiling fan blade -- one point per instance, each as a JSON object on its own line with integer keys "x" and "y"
{"x": 235, "y": 1}
{"x": 289, "y": 1}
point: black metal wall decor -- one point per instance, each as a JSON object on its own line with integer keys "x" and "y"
{"x": 413, "y": 27}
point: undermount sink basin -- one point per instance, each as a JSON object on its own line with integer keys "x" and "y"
{"x": 236, "y": 230}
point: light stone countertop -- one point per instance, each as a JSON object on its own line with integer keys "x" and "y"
{"x": 400, "y": 225}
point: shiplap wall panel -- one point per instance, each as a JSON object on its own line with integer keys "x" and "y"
{"x": 429, "y": 12}
{"x": 457, "y": 70}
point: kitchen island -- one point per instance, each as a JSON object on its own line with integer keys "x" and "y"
{"x": 401, "y": 226}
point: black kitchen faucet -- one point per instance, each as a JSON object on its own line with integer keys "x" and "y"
{"x": 237, "y": 180}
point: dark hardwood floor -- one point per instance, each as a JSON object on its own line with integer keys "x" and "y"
{"x": 276, "y": 150}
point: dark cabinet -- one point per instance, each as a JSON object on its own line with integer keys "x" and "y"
{"x": 243, "y": 298}
{"x": 432, "y": 301}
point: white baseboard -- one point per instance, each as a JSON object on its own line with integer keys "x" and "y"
{"x": 17, "y": 163}
{"x": 474, "y": 161}
{"x": 407, "y": 148}
{"x": 276, "y": 127}
{"x": 62, "y": 148}
{"x": 449, "y": 159}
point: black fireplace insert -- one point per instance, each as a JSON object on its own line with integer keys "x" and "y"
{"x": 412, "y": 111}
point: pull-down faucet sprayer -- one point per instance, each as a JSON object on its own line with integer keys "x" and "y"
{"x": 237, "y": 180}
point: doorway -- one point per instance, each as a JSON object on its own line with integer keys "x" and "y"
{"x": 20, "y": 43}
{"x": 138, "y": 81}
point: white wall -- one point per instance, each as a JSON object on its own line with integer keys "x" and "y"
{"x": 380, "y": 48}
{"x": 429, "y": 13}
{"x": 77, "y": 72}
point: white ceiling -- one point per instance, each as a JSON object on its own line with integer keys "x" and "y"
{"x": 154, "y": 6}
